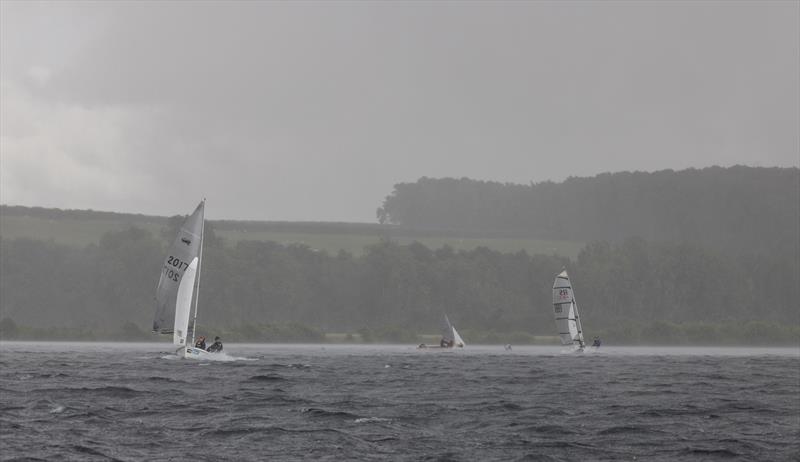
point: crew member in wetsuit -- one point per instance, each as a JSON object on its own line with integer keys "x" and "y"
{"x": 215, "y": 347}
{"x": 201, "y": 343}
{"x": 443, "y": 343}
{"x": 596, "y": 343}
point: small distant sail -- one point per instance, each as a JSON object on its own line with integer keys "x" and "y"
{"x": 447, "y": 330}
{"x": 450, "y": 334}
{"x": 568, "y": 320}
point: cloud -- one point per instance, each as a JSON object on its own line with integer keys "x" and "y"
{"x": 40, "y": 74}
{"x": 314, "y": 110}
{"x": 55, "y": 150}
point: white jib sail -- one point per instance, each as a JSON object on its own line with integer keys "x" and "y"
{"x": 566, "y": 311}
{"x": 183, "y": 304}
{"x": 458, "y": 341}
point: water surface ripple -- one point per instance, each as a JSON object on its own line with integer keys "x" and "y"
{"x": 134, "y": 402}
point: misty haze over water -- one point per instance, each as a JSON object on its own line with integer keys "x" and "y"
{"x": 372, "y": 168}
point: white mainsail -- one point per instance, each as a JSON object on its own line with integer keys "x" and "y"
{"x": 179, "y": 278}
{"x": 568, "y": 321}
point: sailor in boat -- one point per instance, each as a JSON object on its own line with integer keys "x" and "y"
{"x": 596, "y": 343}
{"x": 215, "y": 347}
{"x": 200, "y": 343}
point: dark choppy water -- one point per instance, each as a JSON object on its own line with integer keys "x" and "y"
{"x": 127, "y": 402}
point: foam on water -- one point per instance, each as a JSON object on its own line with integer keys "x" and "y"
{"x": 216, "y": 357}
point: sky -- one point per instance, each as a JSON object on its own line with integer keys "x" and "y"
{"x": 314, "y": 110}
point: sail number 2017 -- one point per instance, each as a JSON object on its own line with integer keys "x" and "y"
{"x": 174, "y": 262}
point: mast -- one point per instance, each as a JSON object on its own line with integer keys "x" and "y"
{"x": 199, "y": 266}
{"x": 577, "y": 315}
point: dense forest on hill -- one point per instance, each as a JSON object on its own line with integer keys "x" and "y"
{"x": 700, "y": 256}
{"x": 739, "y": 210}
{"x": 626, "y": 288}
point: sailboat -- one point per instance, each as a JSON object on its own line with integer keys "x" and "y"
{"x": 568, "y": 321}
{"x": 179, "y": 286}
{"x": 450, "y": 337}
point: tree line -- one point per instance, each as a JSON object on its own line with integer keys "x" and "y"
{"x": 400, "y": 289}
{"x": 737, "y": 210}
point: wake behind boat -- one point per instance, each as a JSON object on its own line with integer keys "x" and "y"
{"x": 179, "y": 286}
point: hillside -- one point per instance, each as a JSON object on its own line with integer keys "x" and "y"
{"x": 83, "y": 227}
{"x": 719, "y": 266}
{"x": 739, "y": 210}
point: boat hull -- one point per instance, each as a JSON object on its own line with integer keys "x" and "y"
{"x": 195, "y": 353}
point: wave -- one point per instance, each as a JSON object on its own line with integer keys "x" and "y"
{"x": 113, "y": 391}
{"x": 317, "y": 412}
{"x": 216, "y": 357}
{"x": 265, "y": 378}
{"x": 164, "y": 379}
{"x": 550, "y": 429}
{"x": 91, "y": 451}
{"x": 372, "y": 420}
{"x": 627, "y": 429}
{"x": 299, "y": 366}
{"x": 716, "y": 452}
{"x": 58, "y": 409}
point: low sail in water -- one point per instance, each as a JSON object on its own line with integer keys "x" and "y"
{"x": 568, "y": 321}
{"x": 179, "y": 285}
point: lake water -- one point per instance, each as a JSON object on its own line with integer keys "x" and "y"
{"x": 101, "y": 401}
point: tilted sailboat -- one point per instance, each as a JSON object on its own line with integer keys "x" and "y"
{"x": 450, "y": 337}
{"x": 179, "y": 285}
{"x": 568, "y": 321}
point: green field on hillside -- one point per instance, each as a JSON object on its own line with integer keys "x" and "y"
{"x": 355, "y": 243}
{"x": 68, "y": 231}
{"x": 82, "y": 232}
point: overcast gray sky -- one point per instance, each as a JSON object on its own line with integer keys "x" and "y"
{"x": 313, "y": 111}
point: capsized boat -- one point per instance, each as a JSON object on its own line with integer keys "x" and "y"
{"x": 179, "y": 286}
{"x": 568, "y": 321}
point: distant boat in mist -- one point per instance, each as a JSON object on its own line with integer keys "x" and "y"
{"x": 568, "y": 320}
{"x": 450, "y": 337}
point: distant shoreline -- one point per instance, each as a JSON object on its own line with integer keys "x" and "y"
{"x": 412, "y": 344}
